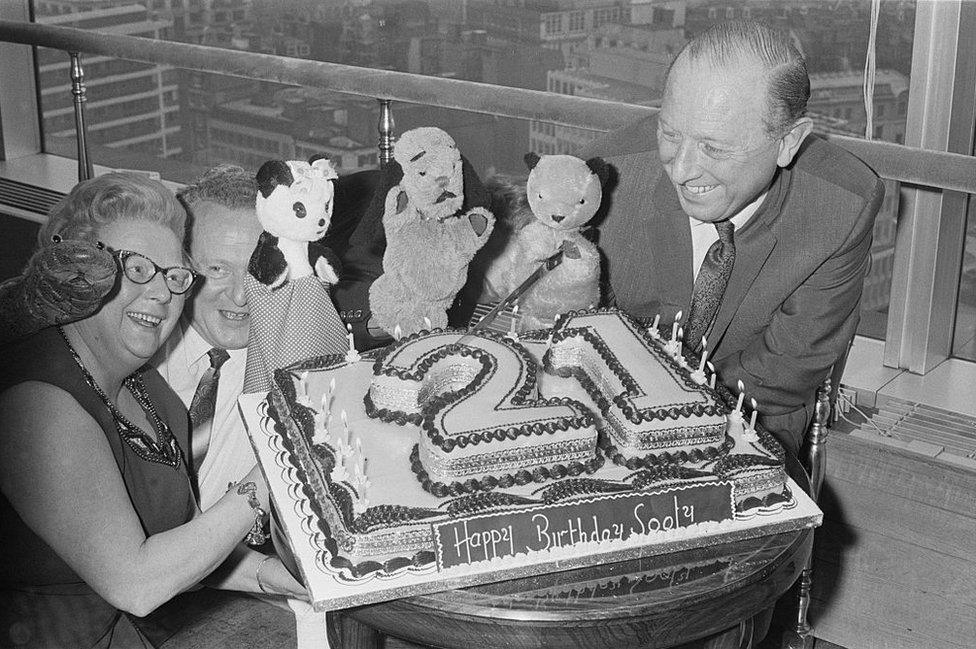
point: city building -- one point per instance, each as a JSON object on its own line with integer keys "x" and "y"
{"x": 620, "y": 63}
{"x": 841, "y": 95}
{"x": 130, "y": 105}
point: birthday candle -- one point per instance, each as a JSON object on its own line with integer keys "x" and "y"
{"x": 755, "y": 411}
{"x": 514, "y": 317}
{"x": 674, "y": 325}
{"x": 345, "y": 427}
{"x": 701, "y": 366}
{"x": 427, "y": 324}
{"x": 742, "y": 395}
{"x": 397, "y": 332}
{"x": 657, "y": 321}
{"x": 352, "y": 342}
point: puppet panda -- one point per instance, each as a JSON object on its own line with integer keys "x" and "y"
{"x": 294, "y": 205}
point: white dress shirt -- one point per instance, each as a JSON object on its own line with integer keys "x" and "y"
{"x": 704, "y": 234}
{"x": 229, "y": 456}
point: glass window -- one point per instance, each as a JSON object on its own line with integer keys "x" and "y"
{"x": 188, "y": 120}
{"x": 964, "y": 335}
{"x": 553, "y": 24}
{"x": 576, "y": 21}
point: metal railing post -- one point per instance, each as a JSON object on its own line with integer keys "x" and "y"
{"x": 79, "y": 93}
{"x": 386, "y": 127}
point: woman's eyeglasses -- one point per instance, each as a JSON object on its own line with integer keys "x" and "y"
{"x": 140, "y": 269}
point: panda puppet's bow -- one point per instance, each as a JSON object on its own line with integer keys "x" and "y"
{"x": 294, "y": 206}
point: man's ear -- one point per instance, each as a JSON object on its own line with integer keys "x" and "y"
{"x": 790, "y": 143}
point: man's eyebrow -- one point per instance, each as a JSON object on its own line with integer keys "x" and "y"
{"x": 418, "y": 156}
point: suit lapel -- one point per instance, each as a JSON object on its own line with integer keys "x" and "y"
{"x": 752, "y": 250}
{"x": 672, "y": 236}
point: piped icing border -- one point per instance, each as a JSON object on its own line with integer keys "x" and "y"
{"x": 491, "y": 482}
{"x": 385, "y": 517}
{"x": 313, "y": 489}
{"x": 563, "y": 331}
{"x": 521, "y": 464}
{"x": 712, "y": 439}
{"x": 427, "y": 416}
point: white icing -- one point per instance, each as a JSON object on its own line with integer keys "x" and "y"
{"x": 495, "y": 406}
{"x": 658, "y": 386}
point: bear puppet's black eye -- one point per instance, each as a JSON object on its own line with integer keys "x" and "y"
{"x": 299, "y": 210}
{"x": 582, "y": 201}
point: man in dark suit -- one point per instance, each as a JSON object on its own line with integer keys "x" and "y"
{"x": 731, "y": 142}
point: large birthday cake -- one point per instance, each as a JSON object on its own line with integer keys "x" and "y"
{"x": 463, "y": 451}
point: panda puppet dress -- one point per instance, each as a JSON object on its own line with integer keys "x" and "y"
{"x": 290, "y": 273}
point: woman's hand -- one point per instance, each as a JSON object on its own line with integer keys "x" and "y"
{"x": 255, "y": 476}
{"x": 273, "y": 577}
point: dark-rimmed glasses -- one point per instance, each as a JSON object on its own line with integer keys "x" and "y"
{"x": 141, "y": 269}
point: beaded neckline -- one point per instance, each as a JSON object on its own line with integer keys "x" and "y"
{"x": 160, "y": 448}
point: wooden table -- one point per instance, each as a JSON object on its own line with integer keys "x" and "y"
{"x": 651, "y": 602}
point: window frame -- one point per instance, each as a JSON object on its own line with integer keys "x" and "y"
{"x": 929, "y": 245}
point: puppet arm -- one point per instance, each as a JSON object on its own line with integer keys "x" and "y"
{"x": 63, "y": 281}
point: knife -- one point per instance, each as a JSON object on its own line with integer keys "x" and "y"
{"x": 548, "y": 264}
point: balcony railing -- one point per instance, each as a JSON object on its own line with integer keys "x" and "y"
{"x": 905, "y": 164}
{"x": 931, "y": 223}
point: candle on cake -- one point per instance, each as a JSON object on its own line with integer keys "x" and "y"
{"x": 320, "y": 432}
{"x": 711, "y": 378}
{"x": 397, "y": 332}
{"x": 302, "y": 392}
{"x": 736, "y": 422}
{"x": 346, "y": 433}
{"x": 352, "y": 355}
{"x": 361, "y": 484}
{"x": 673, "y": 346}
{"x": 750, "y": 433}
{"x": 427, "y": 325}
{"x": 698, "y": 375}
{"x": 512, "y": 330}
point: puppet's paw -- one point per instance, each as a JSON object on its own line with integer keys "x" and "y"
{"x": 570, "y": 249}
{"x": 481, "y": 221}
{"x": 325, "y": 272}
{"x": 278, "y": 281}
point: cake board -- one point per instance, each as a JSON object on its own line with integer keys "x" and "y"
{"x": 332, "y": 584}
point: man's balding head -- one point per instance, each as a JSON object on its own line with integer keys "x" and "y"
{"x": 729, "y": 44}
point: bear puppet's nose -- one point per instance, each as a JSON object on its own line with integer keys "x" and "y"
{"x": 557, "y": 217}
{"x": 443, "y": 180}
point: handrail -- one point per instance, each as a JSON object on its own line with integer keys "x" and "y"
{"x": 920, "y": 167}
{"x": 487, "y": 98}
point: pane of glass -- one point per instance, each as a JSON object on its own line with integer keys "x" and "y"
{"x": 964, "y": 336}
{"x": 180, "y": 122}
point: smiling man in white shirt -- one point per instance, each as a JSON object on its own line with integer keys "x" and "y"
{"x": 224, "y": 231}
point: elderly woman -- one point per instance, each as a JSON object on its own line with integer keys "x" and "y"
{"x": 96, "y": 513}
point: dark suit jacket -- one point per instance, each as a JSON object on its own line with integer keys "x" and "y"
{"x": 791, "y": 306}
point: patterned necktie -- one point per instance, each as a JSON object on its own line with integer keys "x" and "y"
{"x": 713, "y": 276}
{"x": 202, "y": 406}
